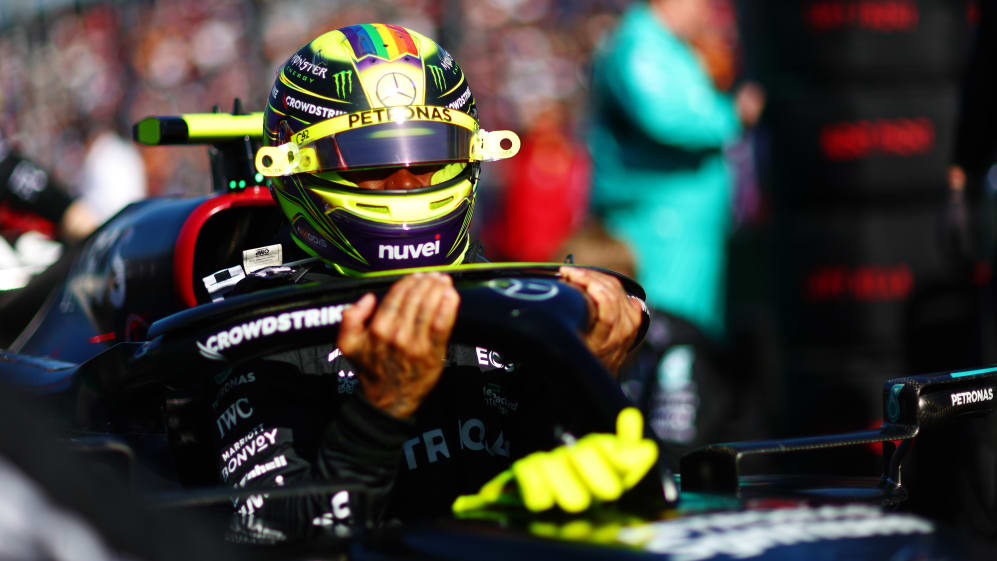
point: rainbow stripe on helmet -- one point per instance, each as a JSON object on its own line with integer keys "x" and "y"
{"x": 384, "y": 41}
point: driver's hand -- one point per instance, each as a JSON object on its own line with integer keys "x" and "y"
{"x": 615, "y": 317}
{"x": 399, "y": 346}
{"x": 597, "y": 467}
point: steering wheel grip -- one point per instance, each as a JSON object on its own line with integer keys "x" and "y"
{"x": 535, "y": 317}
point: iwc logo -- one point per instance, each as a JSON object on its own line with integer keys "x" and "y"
{"x": 395, "y": 89}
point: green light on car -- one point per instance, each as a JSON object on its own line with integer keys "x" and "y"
{"x": 972, "y": 372}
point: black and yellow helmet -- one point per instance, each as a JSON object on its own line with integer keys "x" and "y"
{"x": 367, "y": 97}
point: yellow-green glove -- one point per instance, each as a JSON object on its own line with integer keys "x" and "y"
{"x": 599, "y": 466}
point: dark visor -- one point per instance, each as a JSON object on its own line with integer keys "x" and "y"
{"x": 392, "y": 144}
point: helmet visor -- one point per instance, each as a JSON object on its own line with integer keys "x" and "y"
{"x": 391, "y": 144}
{"x": 396, "y": 136}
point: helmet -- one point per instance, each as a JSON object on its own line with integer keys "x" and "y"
{"x": 367, "y": 97}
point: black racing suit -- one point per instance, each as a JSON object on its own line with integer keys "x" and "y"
{"x": 298, "y": 416}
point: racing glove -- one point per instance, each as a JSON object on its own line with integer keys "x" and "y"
{"x": 596, "y": 467}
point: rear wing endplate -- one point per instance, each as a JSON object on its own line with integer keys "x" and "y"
{"x": 909, "y": 404}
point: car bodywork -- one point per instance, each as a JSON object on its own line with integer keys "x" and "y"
{"x": 129, "y": 337}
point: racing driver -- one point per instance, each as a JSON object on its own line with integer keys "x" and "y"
{"x": 373, "y": 147}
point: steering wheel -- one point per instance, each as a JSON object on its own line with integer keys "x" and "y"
{"x": 526, "y": 313}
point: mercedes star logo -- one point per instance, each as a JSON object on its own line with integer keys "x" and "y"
{"x": 530, "y": 290}
{"x": 394, "y": 89}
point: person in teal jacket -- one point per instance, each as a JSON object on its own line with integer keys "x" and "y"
{"x": 660, "y": 182}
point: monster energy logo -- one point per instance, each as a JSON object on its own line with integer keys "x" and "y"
{"x": 344, "y": 83}
{"x": 437, "y": 74}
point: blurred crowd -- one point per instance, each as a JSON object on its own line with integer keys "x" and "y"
{"x": 71, "y": 74}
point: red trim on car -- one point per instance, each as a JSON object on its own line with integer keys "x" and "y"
{"x": 877, "y": 447}
{"x": 110, "y": 335}
{"x": 183, "y": 252}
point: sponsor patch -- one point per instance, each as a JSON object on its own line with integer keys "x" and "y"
{"x": 432, "y": 446}
{"x": 305, "y": 66}
{"x": 461, "y": 101}
{"x": 395, "y": 89}
{"x": 344, "y": 83}
{"x": 246, "y": 448}
{"x": 385, "y": 115}
{"x": 217, "y": 284}
{"x": 437, "y": 76}
{"x": 241, "y": 409}
{"x": 309, "y": 318}
{"x": 402, "y": 252}
{"x": 262, "y": 469}
{"x": 973, "y": 396}
{"x": 530, "y": 290}
{"x": 494, "y": 398}
{"x": 244, "y": 379}
{"x": 311, "y": 108}
{"x": 491, "y": 360}
{"x": 339, "y": 511}
{"x": 261, "y": 257}
{"x": 251, "y": 504}
{"x": 347, "y": 382}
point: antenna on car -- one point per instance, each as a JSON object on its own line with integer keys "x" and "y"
{"x": 234, "y": 138}
{"x": 232, "y": 167}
